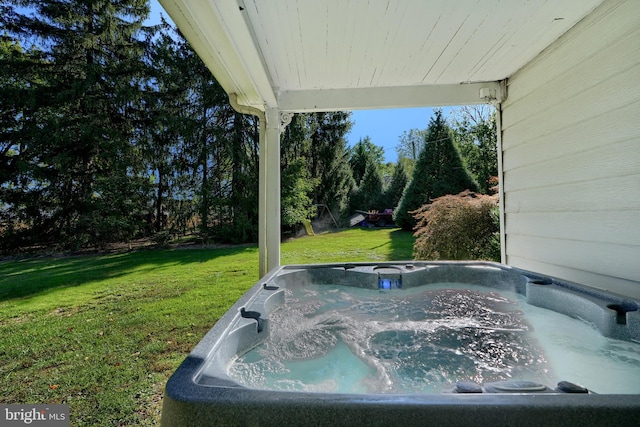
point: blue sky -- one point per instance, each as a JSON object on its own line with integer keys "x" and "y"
{"x": 156, "y": 10}
{"x": 384, "y": 127}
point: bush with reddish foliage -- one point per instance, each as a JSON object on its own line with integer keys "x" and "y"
{"x": 458, "y": 227}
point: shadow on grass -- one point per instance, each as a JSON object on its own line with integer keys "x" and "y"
{"x": 401, "y": 245}
{"x": 29, "y": 277}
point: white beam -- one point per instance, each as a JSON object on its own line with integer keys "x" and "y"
{"x": 389, "y": 97}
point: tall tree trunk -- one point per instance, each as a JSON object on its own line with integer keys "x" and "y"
{"x": 159, "y": 200}
{"x": 204, "y": 188}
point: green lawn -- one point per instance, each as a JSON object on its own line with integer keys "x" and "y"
{"x": 104, "y": 333}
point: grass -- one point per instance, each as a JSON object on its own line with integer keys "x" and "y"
{"x": 104, "y": 333}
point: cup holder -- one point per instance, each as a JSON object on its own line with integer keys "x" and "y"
{"x": 621, "y": 311}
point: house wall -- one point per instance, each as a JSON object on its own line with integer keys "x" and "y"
{"x": 571, "y": 154}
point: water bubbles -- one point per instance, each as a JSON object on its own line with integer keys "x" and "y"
{"x": 340, "y": 339}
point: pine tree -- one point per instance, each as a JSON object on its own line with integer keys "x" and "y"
{"x": 20, "y": 168}
{"x": 363, "y": 152}
{"x": 203, "y": 155}
{"x": 329, "y": 158}
{"x": 86, "y": 109}
{"x": 399, "y": 181}
{"x": 439, "y": 171}
{"x": 297, "y": 183}
{"x": 166, "y": 93}
{"x": 475, "y": 135}
{"x": 243, "y": 200}
{"x": 368, "y": 195}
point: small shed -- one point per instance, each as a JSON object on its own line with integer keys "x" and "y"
{"x": 564, "y": 76}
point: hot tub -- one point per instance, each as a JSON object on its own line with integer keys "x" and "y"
{"x": 415, "y": 343}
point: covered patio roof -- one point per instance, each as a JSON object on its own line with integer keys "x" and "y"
{"x": 311, "y": 55}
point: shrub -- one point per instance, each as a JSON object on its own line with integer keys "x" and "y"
{"x": 460, "y": 227}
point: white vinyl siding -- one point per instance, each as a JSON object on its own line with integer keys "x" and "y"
{"x": 571, "y": 154}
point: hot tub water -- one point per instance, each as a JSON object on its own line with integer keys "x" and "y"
{"x": 579, "y": 353}
{"x": 423, "y": 340}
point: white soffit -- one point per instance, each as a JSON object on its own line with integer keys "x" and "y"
{"x": 310, "y": 55}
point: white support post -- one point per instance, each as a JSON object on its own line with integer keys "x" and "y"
{"x": 262, "y": 199}
{"x": 272, "y": 123}
{"x": 270, "y": 185}
{"x": 269, "y": 189}
{"x": 503, "y": 234}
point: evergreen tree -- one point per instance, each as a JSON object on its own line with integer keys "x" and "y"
{"x": 14, "y": 62}
{"x": 165, "y": 101}
{"x": 399, "y": 181}
{"x": 438, "y": 171}
{"x": 295, "y": 141}
{"x": 317, "y": 141}
{"x": 475, "y": 134}
{"x": 297, "y": 183}
{"x": 101, "y": 142}
{"x": 243, "y": 200}
{"x": 84, "y": 182}
{"x": 371, "y": 186}
{"x": 296, "y": 205}
{"x": 361, "y": 154}
{"x": 368, "y": 195}
{"x": 208, "y": 151}
{"x": 20, "y": 168}
{"x": 329, "y": 158}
